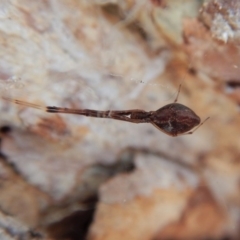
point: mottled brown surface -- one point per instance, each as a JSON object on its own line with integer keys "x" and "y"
{"x": 159, "y": 209}
{"x": 201, "y": 219}
{"x": 214, "y": 58}
{"x": 70, "y": 176}
{"x": 222, "y": 17}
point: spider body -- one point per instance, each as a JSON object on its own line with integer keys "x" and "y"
{"x": 175, "y": 119}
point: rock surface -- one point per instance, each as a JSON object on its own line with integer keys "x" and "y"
{"x": 73, "y": 177}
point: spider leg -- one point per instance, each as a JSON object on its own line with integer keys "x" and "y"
{"x": 122, "y": 115}
{"x": 126, "y": 119}
{"x": 27, "y": 104}
{"x": 179, "y": 88}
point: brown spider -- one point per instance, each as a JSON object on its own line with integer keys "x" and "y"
{"x": 173, "y": 119}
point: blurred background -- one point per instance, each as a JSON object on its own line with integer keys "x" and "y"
{"x": 70, "y": 177}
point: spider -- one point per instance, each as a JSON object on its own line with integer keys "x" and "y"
{"x": 173, "y": 119}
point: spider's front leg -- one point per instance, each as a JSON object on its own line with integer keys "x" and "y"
{"x": 134, "y": 116}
